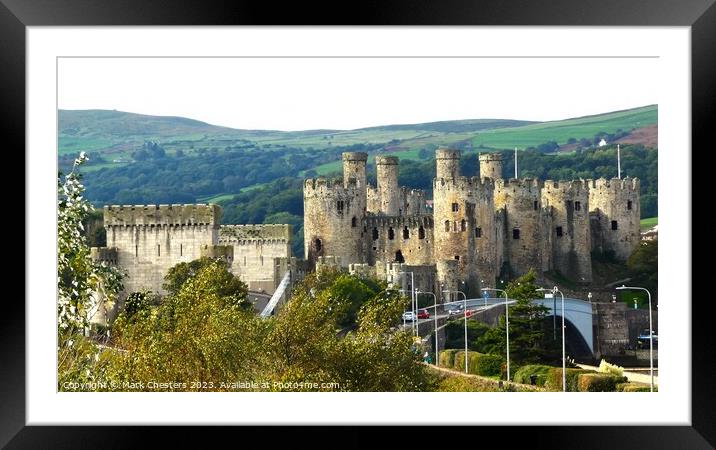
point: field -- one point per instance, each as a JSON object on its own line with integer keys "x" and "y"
{"x": 649, "y": 222}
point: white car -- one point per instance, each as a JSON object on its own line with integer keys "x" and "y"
{"x": 455, "y": 311}
{"x": 408, "y": 316}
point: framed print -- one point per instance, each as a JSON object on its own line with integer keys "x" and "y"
{"x": 383, "y": 220}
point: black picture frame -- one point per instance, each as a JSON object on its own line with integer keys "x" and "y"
{"x": 16, "y": 15}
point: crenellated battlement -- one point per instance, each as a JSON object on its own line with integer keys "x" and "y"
{"x": 463, "y": 184}
{"x": 330, "y": 186}
{"x": 425, "y": 220}
{"x": 447, "y": 153}
{"x": 522, "y": 184}
{"x": 615, "y": 184}
{"x": 386, "y": 160}
{"x": 162, "y": 215}
{"x": 259, "y": 232}
{"x": 574, "y": 186}
{"x": 217, "y": 251}
{"x": 354, "y": 156}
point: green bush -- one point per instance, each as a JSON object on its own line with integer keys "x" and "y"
{"x": 522, "y": 375}
{"x": 598, "y": 382}
{"x": 447, "y": 358}
{"x": 554, "y": 379}
{"x": 489, "y": 365}
{"x": 634, "y": 387}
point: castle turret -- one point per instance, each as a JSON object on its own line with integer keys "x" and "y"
{"x": 491, "y": 165}
{"x": 354, "y": 168}
{"x": 615, "y": 209}
{"x": 332, "y": 220}
{"x": 447, "y": 163}
{"x": 464, "y": 230}
{"x": 520, "y": 202}
{"x": 568, "y": 203}
{"x": 388, "y": 192}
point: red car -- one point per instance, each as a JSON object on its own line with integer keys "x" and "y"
{"x": 423, "y": 314}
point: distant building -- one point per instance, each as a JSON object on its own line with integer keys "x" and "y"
{"x": 602, "y": 143}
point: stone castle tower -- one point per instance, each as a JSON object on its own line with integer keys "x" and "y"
{"x": 475, "y": 226}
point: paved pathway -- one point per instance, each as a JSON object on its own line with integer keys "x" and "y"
{"x": 639, "y": 377}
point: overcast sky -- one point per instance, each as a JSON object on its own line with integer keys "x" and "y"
{"x": 348, "y": 93}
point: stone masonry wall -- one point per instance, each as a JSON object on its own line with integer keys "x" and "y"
{"x": 615, "y": 203}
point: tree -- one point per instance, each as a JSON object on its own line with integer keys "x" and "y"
{"x": 227, "y": 285}
{"x": 527, "y": 325}
{"x": 82, "y": 283}
{"x": 643, "y": 265}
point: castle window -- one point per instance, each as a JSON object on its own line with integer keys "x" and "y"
{"x": 318, "y": 244}
{"x": 455, "y": 207}
{"x": 181, "y": 249}
{"x": 629, "y": 204}
{"x": 406, "y": 233}
{"x": 457, "y": 257}
{"x": 535, "y": 205}
{"x": 463, "y": 225}
{"x": 614, "y": 224}
{"x": 447, "y": 225}
{"x": 478, "y": 232}
{"x": 354, "y": 222}
{"x": 421, "y": 233}
{"x": 391, "y": 233}
{"x": 375, "y": 234}
{"x": 399, "y": 257}
{"x": 454, "y": 225}
{"x": 515, "y": 233}
{"x": 559, "y": 231}
{"x": 136, "y": 251}
{"x": 577, "y": 206}
{"x": 159, "y": 250}
{"x": 339, "y": 205}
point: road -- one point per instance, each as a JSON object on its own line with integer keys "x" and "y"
{"x": 639, "y": 377}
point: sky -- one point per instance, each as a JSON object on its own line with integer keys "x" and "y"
{"x": 348, "y": 93}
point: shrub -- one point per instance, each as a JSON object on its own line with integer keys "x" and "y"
{"x": 554, "y": 379}
{"x": 598, "y": 382}
{"x": 522, "y": 375}
{"x": 489, "y": 365}
{"x": 447, "y": 358}
{"x": 465, "y": 384}
{"x": 634, "y": 387}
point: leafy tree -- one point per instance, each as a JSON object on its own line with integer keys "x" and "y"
{"x": 82, "y": 283}
{"x": 226, "y": 285}
{"x": 643, "y": 266}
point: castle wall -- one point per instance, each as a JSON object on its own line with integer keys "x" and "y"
{"x": 408, "y": 242}
{"x": 372, "y": 200}
{"x": 255, "y": 248}
{"x": 571, "y": 237}
{"x": 412, "y": 202}
{"x": 387, "y": 178}
{"x": 524, "y": 237}
{"x": 402, "y": 276}
{"x": 449, "y": 279}
{"x": 610, "y": 200}
{"x": 150, "y": 239}
{"x": 332, "y": 220}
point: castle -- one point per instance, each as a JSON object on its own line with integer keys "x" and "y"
{"x": 479, "y": 228}
{"x": 145, "y": 241}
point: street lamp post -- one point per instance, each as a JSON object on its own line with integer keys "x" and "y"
{"x": 435, "y": 315}
{"x": 564, "y": 353}
{"x": 589, "y": 296}
{"x": 507, "y": 326}
{"x": 651, "y": 332}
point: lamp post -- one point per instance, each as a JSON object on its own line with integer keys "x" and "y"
{"x": 435, "y": 315}
{"x": 589, "y": 297}
{"x": 651, "y": 332}
{"x": 554, "y": 291}
{"x": 507, "y": 326}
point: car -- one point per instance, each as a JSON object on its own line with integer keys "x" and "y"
{"x": 642, "y": 340}
{"x": 408, "y": 316}
{"x": 423, "y": 314}
{"x": 456, "y": 310}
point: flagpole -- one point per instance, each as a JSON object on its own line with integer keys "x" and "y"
{"x": 619, "y": 163}
{"x": 515, "y": 162}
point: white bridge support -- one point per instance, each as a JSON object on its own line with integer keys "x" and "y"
{"x": 578, "y": 312}
{"x": 277, "y": 295}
